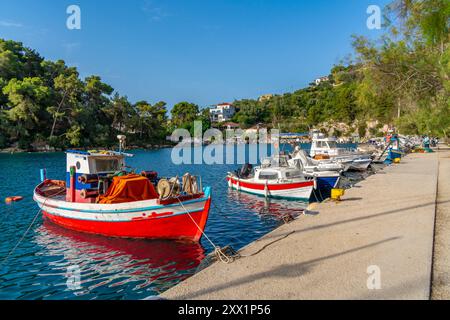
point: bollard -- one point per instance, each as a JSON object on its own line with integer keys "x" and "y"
{"x": 336, "y": 194}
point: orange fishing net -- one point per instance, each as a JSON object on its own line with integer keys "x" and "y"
{"x": 128, "y": 188}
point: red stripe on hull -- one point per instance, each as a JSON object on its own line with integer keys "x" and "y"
{"x": 273, "y": 187}
{"x": 176, "y": 227}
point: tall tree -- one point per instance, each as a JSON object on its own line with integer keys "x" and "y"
{"x": 119, "y": 112}
{"x": 184, "y": 114}
{"x": 27, "y": 98}
{"x": 68, "y": 89}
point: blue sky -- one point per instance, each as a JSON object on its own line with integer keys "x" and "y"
{"x": 202, "y": 51}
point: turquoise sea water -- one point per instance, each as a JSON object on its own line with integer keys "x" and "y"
{"x": 41, "y": 267}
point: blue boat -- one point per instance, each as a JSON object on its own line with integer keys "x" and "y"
{"x": 325, "y": 181}
{"x": 393, "y": 154}
{"x": 394, "y": 151}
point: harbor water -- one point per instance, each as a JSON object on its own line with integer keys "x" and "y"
{"x": 50, "y": 262}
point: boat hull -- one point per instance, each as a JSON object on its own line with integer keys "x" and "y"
{"x": 327, "y": 183}
{"x": 392, "y": 154}
{"x": 293, "y": 191}
{"x": 323, "y": 187}
{"x": 360, "y": 165}
{"x": 138, "y": 220}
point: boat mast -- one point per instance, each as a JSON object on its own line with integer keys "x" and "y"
{"x": 122, "y": 140}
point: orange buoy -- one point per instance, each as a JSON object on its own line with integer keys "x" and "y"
{"x": 13, "y": 199}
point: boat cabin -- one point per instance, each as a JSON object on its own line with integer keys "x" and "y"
{"x": 83, "y": 170}
{"x": 276, "y": 169}
{"x": 322, "y": 145}
{"x": 277, "y": 174}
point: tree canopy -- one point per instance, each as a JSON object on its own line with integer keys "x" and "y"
{"x": 47, "y": 102}
{"x": 402, "y": 79}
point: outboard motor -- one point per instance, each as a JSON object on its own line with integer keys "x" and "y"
{"x": 245, "y": 171}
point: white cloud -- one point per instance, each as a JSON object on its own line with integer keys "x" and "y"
{"x": 155, "y": 13}
{"x": 10, "y": 24}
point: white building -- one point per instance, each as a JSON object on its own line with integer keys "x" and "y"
{"x": 222, "y": 112}
{"x": 321, "y": 79}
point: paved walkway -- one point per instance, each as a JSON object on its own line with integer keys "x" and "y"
{"x": 386, "y": 221}
{"x": 441, "y": 261}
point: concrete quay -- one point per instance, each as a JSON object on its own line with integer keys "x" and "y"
{"x": 378, "y": 243}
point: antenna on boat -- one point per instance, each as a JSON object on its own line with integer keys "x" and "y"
{"x": 122, "y": 140}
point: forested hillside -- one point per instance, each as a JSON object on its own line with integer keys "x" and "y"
{"x": 402, "y": 79}
{"x": 45, "y": 102}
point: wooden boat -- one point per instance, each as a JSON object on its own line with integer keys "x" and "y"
{"x": 273, "y": 180}
{"x": 98, "y": 197}
{"x": 394, "y": 150}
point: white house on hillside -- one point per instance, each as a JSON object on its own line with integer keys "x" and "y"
{"x": 321, "y": 79}
{"x": 222, "y": 112}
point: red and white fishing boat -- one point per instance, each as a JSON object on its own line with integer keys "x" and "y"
{"x": 273, "y": 179}
{"x": 98, "y": 197}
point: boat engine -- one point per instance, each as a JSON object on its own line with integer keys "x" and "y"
{"x": 245, "y": 171}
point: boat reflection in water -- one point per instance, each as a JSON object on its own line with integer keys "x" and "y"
{"x": 107, "y": 266}
{"x": 269, "y": 209}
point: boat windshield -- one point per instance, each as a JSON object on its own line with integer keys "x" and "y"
{"x": 107, "y": 165}
{"x": 321, "y": 145}
{"x": 275, "y": 162}
{"x": 283, "y": 162}
{"x": 268, "y": 176}
{"x": 293, "y": 174}
{"x": 332, "y": 144}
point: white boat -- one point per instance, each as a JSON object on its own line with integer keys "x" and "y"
{"x": 327, "y": 174}
{"x": 300, "y": 159}
{"x": 326, "y": 146}
{"x": 273, "y": 179}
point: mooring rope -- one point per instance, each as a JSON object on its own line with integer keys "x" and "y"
{"x": 23, "y": 236}
{"x": 217, "y": 250}
{"x": 28, "y": 229}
